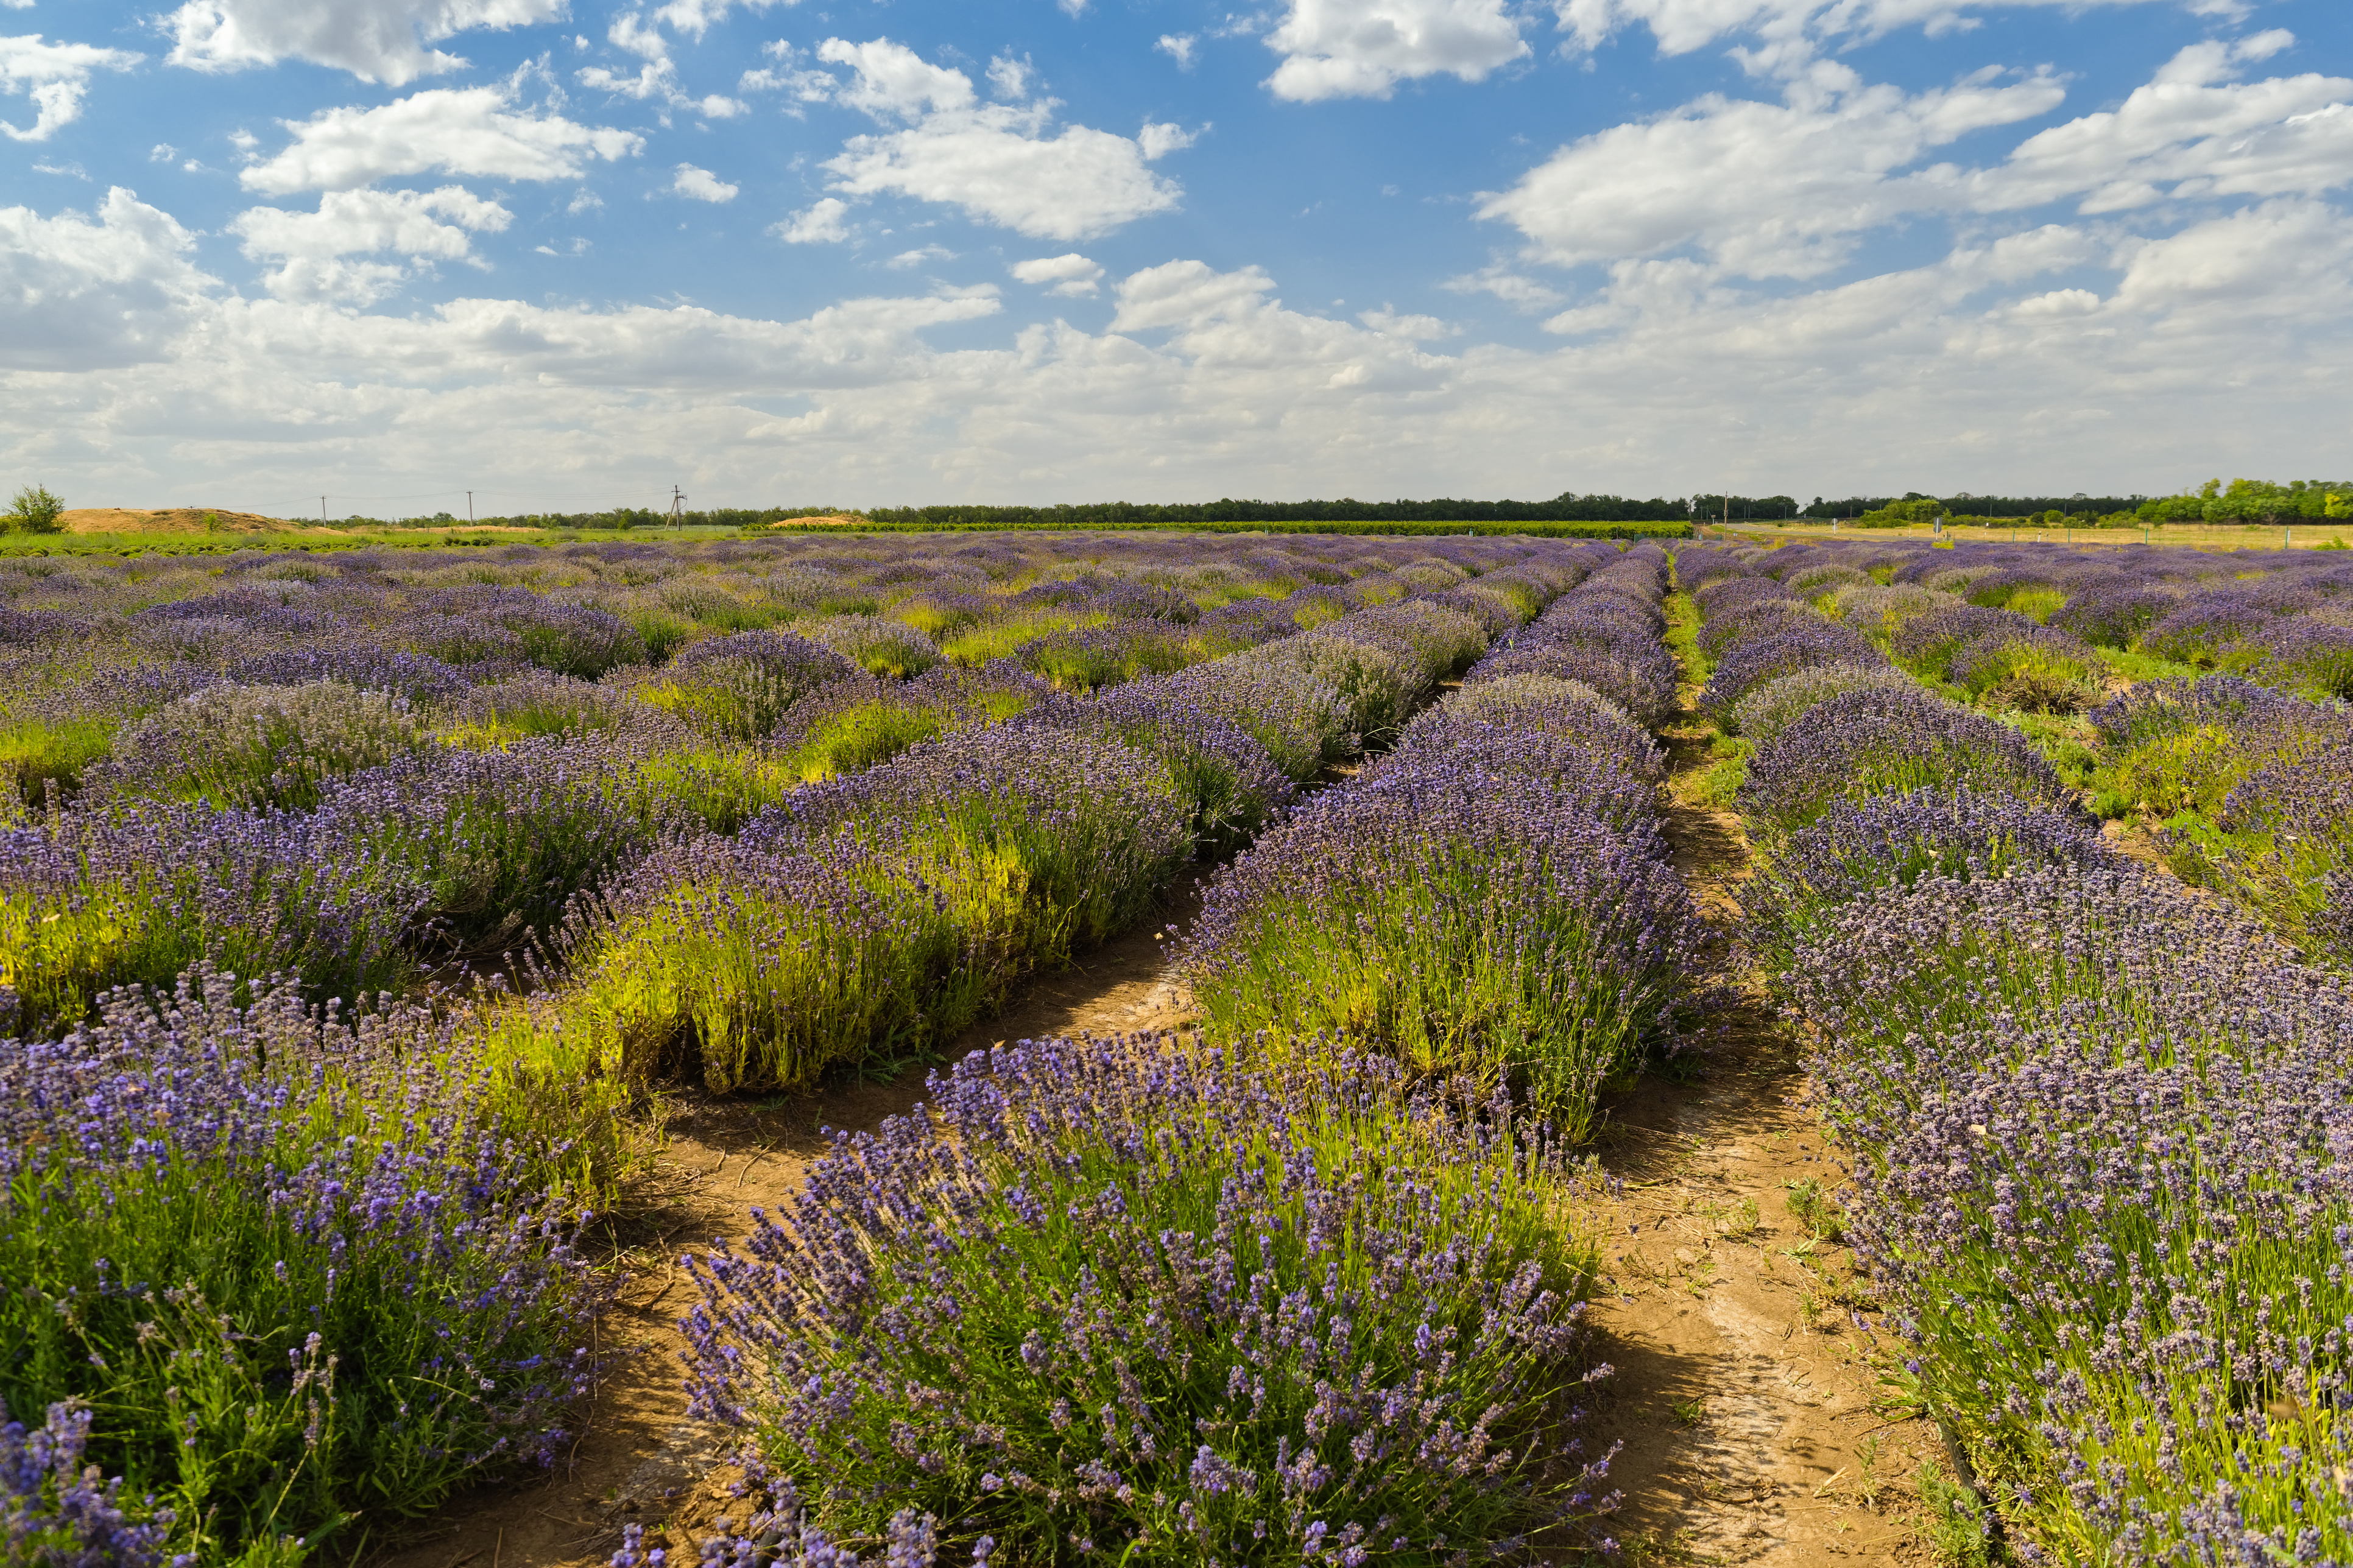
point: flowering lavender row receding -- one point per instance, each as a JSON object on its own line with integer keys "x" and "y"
{"x": 1492, "y": 896}
{"x": 2098, "y": 1127}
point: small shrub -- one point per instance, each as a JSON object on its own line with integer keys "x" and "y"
{"x": 138, "y": 896}
{"x": 877, "y": 646}
{"x": 737, "y": 688}
{"x": 1879, "y": 743}
{"x": 1466, "y": 919}
{"x": 34, "y": 510}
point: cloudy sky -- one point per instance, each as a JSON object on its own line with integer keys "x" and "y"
{"x": 569, "y": 253}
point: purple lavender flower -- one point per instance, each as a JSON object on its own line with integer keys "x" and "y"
{"x": 54, "y": 1511}
{"x": 1811, "y": 644}
{"x": 301, "y": 1266}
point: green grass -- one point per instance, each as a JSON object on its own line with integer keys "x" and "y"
{"x": 976, "y": 644}
{"x": 1682, "y": 638}
{"x": 37, "y": 755}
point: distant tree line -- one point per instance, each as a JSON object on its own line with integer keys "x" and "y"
{"x": 1566, "y": 507}
{"x": 2241, "y": 500}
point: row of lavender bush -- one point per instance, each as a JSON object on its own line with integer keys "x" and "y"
{"x": 214, "y": 1182}
{"x": 885, "y": 911}
{"x": 1492, "y": 896}
{"x": 2243, "y": 777}
{"x": 1142, "y": 1300}
{"x": 2097, "y": 1131}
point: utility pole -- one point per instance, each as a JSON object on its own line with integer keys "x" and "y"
{"x": 677, "y": 506}
{"x": 322, "y": 508}
{"x": 469, "y": 506}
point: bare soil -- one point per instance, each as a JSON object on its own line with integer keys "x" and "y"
{"x": 168, "y": 519}
{"x": 636, "y": 1458}
{"x": 1745, "y": 1391}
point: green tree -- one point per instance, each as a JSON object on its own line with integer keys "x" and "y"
{"x": 35, "y": 510}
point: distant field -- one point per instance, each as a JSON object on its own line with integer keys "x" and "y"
{"x": 184, "y": 531}
{"x": 2196, "y": 536}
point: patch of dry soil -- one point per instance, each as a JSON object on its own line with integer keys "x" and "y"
{"x": 167, "y": 520}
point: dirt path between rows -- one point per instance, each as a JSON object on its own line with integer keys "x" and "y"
{"x": 1744, "y": 1389}
{"x": 636, "y": 1458}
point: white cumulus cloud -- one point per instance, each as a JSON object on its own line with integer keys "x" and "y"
{"x": 79, "y": 294}
{"x": 1363, "y": 48}
{"x": 457, "y": 131}
{"x": 893, "y": 82}
{"x": 1789, "y": 33}
{"x": 701, "y": 185}
{"x": 1071, "y": 275}
{"x": 55, "y": 77}
{"x": 996, "y": 161}
{"x": 694, "y": 18}
{"x": 1759, "y": 189}
{"x": 2191, "y": 132}
{"x": 311, "y": 247}
{"x": 821, "y": 223}
{"x": 375, "y": 40}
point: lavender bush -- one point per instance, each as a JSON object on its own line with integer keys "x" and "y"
{"x": 2285, "y": 846}
{"x": 89, "y": 904}
{"x": 1874, "y": 743}
{"x": 1749, "y": 664}
{"x": 1123, "y": 1300}
{"x": 2300, "y": 656}
{"x": 1462, "y": 919}
{"x": 259, "y": 746}
{"x": 1899, "y": 838}
{"x": 539, "y": 704}
{"x": 304, "y": 1283}
{"x": 876, "y": 645}
{"x": 737, "y": 687}
{"x": 856, "y": 723}
{"x": 493, "y": 844}
{"x": 761, "y": 964}
{"x": 2027, "y": 666}
{"x": 2099, "y": 1131}
{"x": 1294, "y": 713}
{"x": 53, "y": 1510}
{"x": 1770, "y": 707}
{"x": 2176, "y": 748}
{"x": 1541, "y": 704}
{"x": 1227, "y": 779}
{"x": 873, "y": 914}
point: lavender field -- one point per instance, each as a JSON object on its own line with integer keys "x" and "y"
{"x": 360, "y": 912}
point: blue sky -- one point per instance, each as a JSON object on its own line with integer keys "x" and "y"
{"x": 568, "y": 254}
